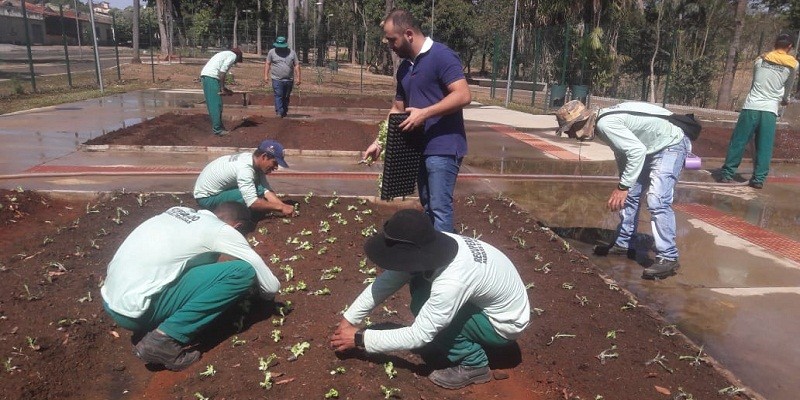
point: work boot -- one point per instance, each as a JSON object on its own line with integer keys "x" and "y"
{"x": 158, "y": 348}
{"x": 222, "y": 133}
{"x": 661, "y": 269}
{"x": 615, "y": 251}
{"x": 459, "y": 376}
{"x": 756, "y": 185}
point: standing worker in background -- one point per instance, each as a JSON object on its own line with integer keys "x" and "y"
{"x": 773, "y": 78}
{"x": 650, "y": 152}
{"x": 283, "y": 68}
{"x": 213, "y": 79}
{"x": 432, "y": 89}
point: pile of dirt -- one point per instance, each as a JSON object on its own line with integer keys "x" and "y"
{"x": 587, "y": 339}
{"x": 193, "y": 129}
{"x": 316, "y": 100}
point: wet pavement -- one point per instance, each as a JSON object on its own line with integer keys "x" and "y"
{"x": 740, "y": 248}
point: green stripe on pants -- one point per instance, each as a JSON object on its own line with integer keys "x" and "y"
{"x": 193, "y": 301}
{"x": 762, "y": 125}
{"x": 211, "y": 89}
{"x": 464, "y": 338}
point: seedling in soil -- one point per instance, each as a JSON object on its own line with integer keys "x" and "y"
{"x": 389, "y": 312}
{"x": 331, "y": 239}
{"x": 369, "y": 231}
{"x": 235, "y": 341}
{"x": 389, "y": 392}
{"x": 538, "y": 257}
{"x": 631, "y": 304}
{"x": 369, "y": 280}
{"x": 530, "y": 285}
{"x": 322, "y": 250}
{"x": 545, "y": 269}
{"x": 566, "y": 245}
{"x": 660, "y": 360}
{"x": 294, "y": 258}
{"x": 305, "y": 245}
{"x": 200, "y": 396}
{"x": 485, "y": 209}
{"x": 288, "y": 272}
{"x": 263, "y": 230}
{"x": 87, "y": 298}
{"x": 305, "y": 232}
{"x": 278, "y": 321}
{"x": 324, "y": 226}
{"x": 120, "y": 212}
{"x": 28, "y": 295}
{"x": 9, "y": 366}
{"x": 520, "y": 241}
{"x": 93, "y": 244}
{"x": 292, "y": 240}
{"x": 344, "y": 310}
{"x": 362, "y": 201}
{"x": 263, "y": 364}
{"x": 538, "y": 311}
{"x": 669, "y": 330}
{"x": 102, "y": 232}
{"x": 559, "y": 335}
{"x": 299, "y": 349}
{"x": 331, "y": 203}
{"x": 267, "y": 383}
{"x": 338, "y": 370}
{"x": 731, "y": 390}
{"x": 31, "y": 342}
{"x": 389, "y": 369}
{"x": 253, "y": 242}
{"x": 607, "y": 353}
{"x": 683, "y": 395}
{"x": 476, "y": 235}
{"x": 463, "y": 228}
{"x": 328, "y": 274}
{"x": 568, "y": 285}
{"x": 470, "y": 201}
{"x": 301, "y": 285}
{"x": 286, "y": 221}
{"x": 276, "y": 335}
{"x": 582, "y": 300}
{"x": 210, "y": 371}
{"x": 332, "y": 394}
{"x": 367, "y": 321}
{"x": 367, "y": 212}
{"x": 176, "y": 198}
{"x": 358, "y": 218}
{"x": 352, "y": 208}
{"x": 308, "y": 197}
{"x": 492, "y": 218}
{"x": 613, "y": 287}
{"x": 321, "y": 292}
{"x": 696, "y": 359}
{"x": 91, "y": 208}
{"x": 368, "y": 271}
{"x": 613, "y": 334}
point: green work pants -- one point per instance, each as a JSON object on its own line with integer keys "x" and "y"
{"x": 233, "y": 195}
{"x": 211, "y": 89}
{"x": 464, "y": 338}
{"x": 762, "y": 125}
{"x": 193, "y": 301}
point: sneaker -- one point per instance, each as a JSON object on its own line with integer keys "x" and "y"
{"x": 661, "y": 269}
{"x": 614, "y": 251}
{"x": 160, "y": 349}
{"x": 725, "y": 180}
{"x": 756, "y": 185}
{"x": 222, "y": 133}
{"x": 459, "y": 376}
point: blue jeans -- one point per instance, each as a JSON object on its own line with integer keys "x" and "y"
{"x": 436, "y": 184}
{"x": 282, "y": 89}
{"x": 659, "y": 176}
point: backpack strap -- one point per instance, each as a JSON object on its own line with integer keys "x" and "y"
{"x": 637, "y": 113}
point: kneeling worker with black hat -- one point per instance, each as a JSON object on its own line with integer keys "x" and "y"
{"x": 465, "y": 295}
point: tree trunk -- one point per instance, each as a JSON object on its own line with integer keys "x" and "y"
{"x": 135, "y": 28}
{"x": 162, "y": 12}
{"x": 258, "y": 29}
{"x": 651, "y": 95}
{"x": 235, "y": 25}
{"x": 724, "y": 97}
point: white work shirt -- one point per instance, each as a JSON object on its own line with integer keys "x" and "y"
{"x": 479, "y": 274}
{"x": 229, "y": 172}
{"x": 159, "y": 250}
{"x": 219, "y": 64}
{"x": 771, "y": 83}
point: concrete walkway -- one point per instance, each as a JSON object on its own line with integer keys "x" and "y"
{"x": 740, "y": 248}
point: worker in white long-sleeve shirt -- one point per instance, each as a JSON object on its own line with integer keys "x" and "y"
{"x": 166, "y": 282}
{"x": 465, "y": 293}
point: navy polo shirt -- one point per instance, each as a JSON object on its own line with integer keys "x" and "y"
{"x": 424, "y": 83}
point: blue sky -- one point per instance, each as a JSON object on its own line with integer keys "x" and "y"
{"x": 114, "y": 3}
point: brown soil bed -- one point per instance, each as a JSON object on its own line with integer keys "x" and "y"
{"x": 54, "y": 335}
{"x": 315, "y": 100}
{"x": 173, "y": 129}
{"x": 714, "y": 139}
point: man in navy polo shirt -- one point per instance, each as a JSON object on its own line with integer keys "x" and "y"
{"x": 431, "y": 87}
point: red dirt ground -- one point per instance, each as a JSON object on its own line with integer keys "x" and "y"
{"x": 55, "y": 337}
{"x": 315, "y": 100}
{"x": 172, "y": 129}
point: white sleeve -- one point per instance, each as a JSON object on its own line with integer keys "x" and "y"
{"x": 246, "y": 180}
{"x": 384, "y": 286}
{"x": 231, "y": 242}
{"x": 623, "y": 140}
{"x": 446, "y": 299}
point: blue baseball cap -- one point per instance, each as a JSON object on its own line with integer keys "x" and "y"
{"x": 275, "y": 150}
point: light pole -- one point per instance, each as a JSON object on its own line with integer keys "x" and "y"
{"x": 433, "y": 7}
{"x": 511, "y": 58}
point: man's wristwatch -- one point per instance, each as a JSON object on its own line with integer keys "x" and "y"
{"x": 622, "y": 187}
{"x": 359, "y": 338}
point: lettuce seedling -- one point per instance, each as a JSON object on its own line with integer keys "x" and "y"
{"x": 358, "y": 218}
{"x": 210, "y": 371}
{"x": 369, "y": 280}
{"x": 276, "y": 335}
{"x": 388, "y": 312}
{"x": 322, "y": 292}
{"x": 559, "y": 335}
{"x": 338, "y": 370}
{"x": 299, "y": 349}
{"x": 267, "y": 383}
{"x": 305, "y": 232}
{"x": 352, "y": 208}
{"x": 308, "y": 197}
{"x": 369, "y": 231}
{"x": 235, "y": 341}
{"x": 301, "y": 285}
{"x": 328, "y": 274}
{"x": 322, "y": 250}
{"x": 253, "y": 242}
{"x": 305, "y": 245}
{"x": 263, "y": 230}
{"x": 200, "y": 396}
{"x": 362, "y": 201}
{"x": 389, "y": 369}
{"x": 660, "y": 360}
{"x": 288, "y": 272}
{"x": 607, "y": 353}
{"x": 389, "y": 392}
{"x": 324, "y": 226}
{"x": 331, "y": 240}
{"x": 274, "y": 259}
{"x": 286, "y": 221}
{"x": 332, "y": 394}
{"x": 263, "y": 364}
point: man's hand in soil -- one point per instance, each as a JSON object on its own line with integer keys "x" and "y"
{"x": 416, "y": 119}
{"x": 372, "y": 153}
{"x": 617, "y": 199}
{"x": 344, "y": 336}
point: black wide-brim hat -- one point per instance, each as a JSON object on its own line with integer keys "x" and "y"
{"x": 409, "y": 243}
